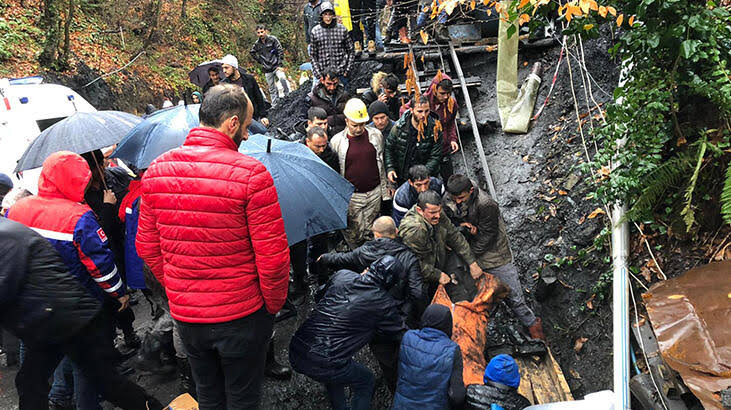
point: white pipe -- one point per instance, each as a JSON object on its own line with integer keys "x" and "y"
{"x": 620, "y": 307}
{"x": 620, "y": 285}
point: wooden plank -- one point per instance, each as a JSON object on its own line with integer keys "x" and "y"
{"x": 473, "y": 81}
{"x": 542, "y": 380}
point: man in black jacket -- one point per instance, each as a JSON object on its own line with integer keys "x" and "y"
{"x": 51, "y": 312}
{"x": 330, "y": 95}
{"x": 356, "y": 307}
{"x": 502, "y": 379}
{"x": 316, "y": 117}
{"x": 268, "y": 51}
{"x": 238, "y": 76}
{"x": 408, "y": 291}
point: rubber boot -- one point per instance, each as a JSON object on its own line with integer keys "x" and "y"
{"x": 272, "y": 368}
{"x": 536, "y": 330}
{"x": 371, "y": 46}
{"x": 187, "y": 384}
{"x": 403, "y": 35}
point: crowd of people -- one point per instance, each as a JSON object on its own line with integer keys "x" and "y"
{"x": 200, "y": 235}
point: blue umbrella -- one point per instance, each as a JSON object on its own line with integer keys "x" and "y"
{"x": 306, "y": 66}
{"x": 313, "y": 198}
{"x": 160, "y": 132}
{"x": 80, "y": 132}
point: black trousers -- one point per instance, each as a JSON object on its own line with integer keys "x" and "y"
{"x": 298, "y": 259}
{"x": 227, "y": 359}
{"x": 386, "y": 353}
{"x": 90, "y": 349}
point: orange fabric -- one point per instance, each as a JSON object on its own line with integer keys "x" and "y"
{"x": 469, "y": 324}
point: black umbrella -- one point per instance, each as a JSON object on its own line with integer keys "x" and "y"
{"x": 199, "y": 75}
{"x": 80, "y": 132}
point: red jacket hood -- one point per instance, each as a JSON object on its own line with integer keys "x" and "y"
{"x": 432, "y": 88}
{"x": 64, "y": 175}
{"x": 135, "y": 190}
{"x": 209, "y": 137}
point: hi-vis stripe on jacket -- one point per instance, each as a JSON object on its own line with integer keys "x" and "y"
{"x": 57, "y": 214}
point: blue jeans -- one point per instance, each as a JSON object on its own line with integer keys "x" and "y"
{"x": 68, "y": 381}
{"x": 361, "y": 382}
{"x": 379, "y": 37}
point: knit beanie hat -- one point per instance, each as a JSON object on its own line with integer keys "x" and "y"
{"x": 503, "y": 369}
{"x": 230, "y": 60}
{"x": 377, "y": 107}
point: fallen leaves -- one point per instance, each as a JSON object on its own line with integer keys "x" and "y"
{"x": 579, "y": 344}
{"x": 596, "y": 212}
{"x": 590, "y": 302}
{"x": 424, "y": 36}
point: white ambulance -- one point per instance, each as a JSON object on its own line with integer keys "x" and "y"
{"x": 27, "y": 107}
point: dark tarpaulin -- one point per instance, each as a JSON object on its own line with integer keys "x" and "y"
{"x": 690, "y": 315}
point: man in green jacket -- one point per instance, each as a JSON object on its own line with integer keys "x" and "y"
{"x": 437, "y": 243}
{"x": 415, "y": 139}
{"x": 478, "y": 217}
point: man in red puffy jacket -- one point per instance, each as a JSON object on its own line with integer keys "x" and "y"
{"x": 211, "y": 231}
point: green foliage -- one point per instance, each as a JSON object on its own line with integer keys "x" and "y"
{"x": 8, "y": 40}
{"x": 726, "y": 196}
{"x": 14, "y": 34}
{"x": 673, "y": 113}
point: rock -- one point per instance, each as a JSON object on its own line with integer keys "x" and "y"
{"x": 571, "y": 181}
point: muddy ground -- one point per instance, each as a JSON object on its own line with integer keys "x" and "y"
{"x": 543, "y": 196}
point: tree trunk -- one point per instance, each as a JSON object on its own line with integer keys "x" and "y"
{"x": 183, "y": 14}
{"x": 63, "y": 61}
{"x": 50, "y": 21}
{"x": 152, "y": 25}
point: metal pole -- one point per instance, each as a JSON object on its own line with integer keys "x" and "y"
{"x": 473, "y": 121}
{"x": 620, "y": 284}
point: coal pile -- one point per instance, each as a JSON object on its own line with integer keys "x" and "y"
{"x": 293, "y": 108}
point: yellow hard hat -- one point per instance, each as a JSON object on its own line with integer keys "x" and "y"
{"x": 356, "y": 111}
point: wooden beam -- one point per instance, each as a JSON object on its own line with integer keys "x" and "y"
{"x": 473, "y": 81}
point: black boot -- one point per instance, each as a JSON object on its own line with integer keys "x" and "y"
{"x": 287, "y": 311}
{"x": 187, "y": 384}
{"x": 297, "y": 291}
{"x": 272, "y": 368}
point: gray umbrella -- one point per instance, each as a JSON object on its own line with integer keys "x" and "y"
{"x": 80, "y": 132}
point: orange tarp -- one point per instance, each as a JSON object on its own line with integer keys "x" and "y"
{"x": 469, "y": 324}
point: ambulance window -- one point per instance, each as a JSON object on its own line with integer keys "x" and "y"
{"x": 43, "y": 124}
